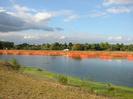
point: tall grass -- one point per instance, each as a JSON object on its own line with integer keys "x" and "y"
{"x": 62, "y": 79}
{"x": 15, "y": 64}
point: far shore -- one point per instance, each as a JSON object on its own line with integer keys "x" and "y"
{"x": 73, "y": 54}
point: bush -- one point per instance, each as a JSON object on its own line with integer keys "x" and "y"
{"x": 110, "y": 87}
{"x": 39, "y": 69}
{"x": 15, "y": 64}
{"x": 62, "y": 79}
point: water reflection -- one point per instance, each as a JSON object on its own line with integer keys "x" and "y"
{"x": 116, "y": 71}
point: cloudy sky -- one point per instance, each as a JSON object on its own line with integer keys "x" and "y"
{"x": 44, "y": 21}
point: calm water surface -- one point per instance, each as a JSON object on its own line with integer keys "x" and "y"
{"x": 119, "y": 72}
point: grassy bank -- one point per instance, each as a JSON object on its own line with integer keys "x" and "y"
{"x": 31, "y": 83}
{"x": 35, "y": 83}
{"x": 92, "y": 87}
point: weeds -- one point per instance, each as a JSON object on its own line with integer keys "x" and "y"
{"x": 39, "y": 69}
{"x": 110, "y": 87}
{"x": 15, "y": 64}
{"x": 62, "y": 79}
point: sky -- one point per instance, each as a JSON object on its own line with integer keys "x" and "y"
{"x": 77, "y": 21}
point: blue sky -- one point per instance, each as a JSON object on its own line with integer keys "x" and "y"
{"x": 42, "y": 21}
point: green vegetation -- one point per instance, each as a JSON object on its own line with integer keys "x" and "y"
{"x": 15, "y": 64}
{"x": 6, "y": 45}
{"x": 92, "y": 87}
{"x": 31, "y": 83}
{"x": 105, "y": 46}
{"x": 78, "y": 47}
{"x": 62, "y": 79}
{"x": 12, "y": 64}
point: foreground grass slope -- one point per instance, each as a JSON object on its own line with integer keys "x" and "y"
{"x": 105, "y": 89}
{"x": 18, "y": 85}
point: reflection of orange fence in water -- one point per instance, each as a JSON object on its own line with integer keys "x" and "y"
{"x": 105, "y": 56}
{"x": 82, "y": 55}
{"x": 72, "y": 54}
{"x": 130, "y": 57}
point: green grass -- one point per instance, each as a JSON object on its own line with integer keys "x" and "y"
{"x": 19, "y": 85}
{"x": 39, "y": 72}
{"x": 92, "y": 87}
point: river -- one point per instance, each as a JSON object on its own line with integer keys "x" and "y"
{"x": 116, "y": 71}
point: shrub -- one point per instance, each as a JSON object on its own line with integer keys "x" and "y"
{"x": 110, "y": 87}
{"x": 15, "y": 64}
{"x": 39, "y": 69}
{"x": 63, "y": 79}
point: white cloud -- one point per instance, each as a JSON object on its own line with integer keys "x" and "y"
{"x": 29, "y": 37}
{"x": 21, "y": 8}
{"x": 71, "y": 18}
{"x": 108, "y": 2}
{"x": 29, "y": 15}
{"x": 63, "y": 12}
{"x": 62, "y": 37}
{"x": 42, "y": 16}
{"x": 97, "y": 14}
{"x": 45, "y": 37}
{"x": 2, "y": 9}
{"x": 117, "y": 38}
{"x": 118, "y": 10}
{"x": 69, "y": 15}
{"x": 120, "y": 39}
{"x": 23, "y": 18}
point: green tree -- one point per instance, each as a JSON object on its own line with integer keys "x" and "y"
{"x": 77, "y": 47}
{"x": 55, "y": 46}
{"x": 70, "y": 46}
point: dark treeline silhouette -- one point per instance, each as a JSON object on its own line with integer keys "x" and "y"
{"x": 71, "y": 46}
{"x": 6, "y": 45}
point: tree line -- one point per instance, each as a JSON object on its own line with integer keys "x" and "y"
{"x": 104, "y": 46}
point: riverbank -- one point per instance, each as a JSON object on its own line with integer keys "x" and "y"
{"x": 104, "y": 89}
{"x": 83, "y": 88}
{"x": 73, "y": 54}
{"x": 31, "y": 83}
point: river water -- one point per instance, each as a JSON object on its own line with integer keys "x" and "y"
{"x": 116, "y": 71}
